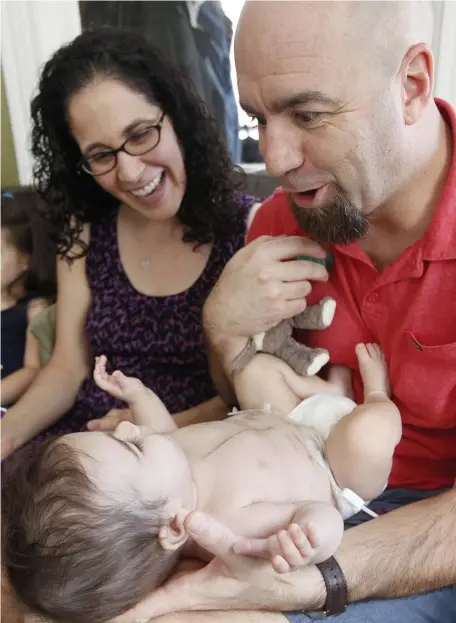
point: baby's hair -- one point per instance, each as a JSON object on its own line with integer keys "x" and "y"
{"x": 28, "y": 233}
{"x": 72, "y": 553}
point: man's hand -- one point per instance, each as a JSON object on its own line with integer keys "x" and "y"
{"x": 257, "y": 288}
{"x": 229, "y": 581}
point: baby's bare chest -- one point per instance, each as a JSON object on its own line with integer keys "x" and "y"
{"x": 257, "y": 459}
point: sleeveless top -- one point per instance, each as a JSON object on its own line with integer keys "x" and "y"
{"x": 156, "y": 339}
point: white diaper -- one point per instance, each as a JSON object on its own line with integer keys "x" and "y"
{"x": 321, "y": 413}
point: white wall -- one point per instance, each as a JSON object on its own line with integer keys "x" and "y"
{"x": 444, "y": 47}
{"x": 31, "y": 31}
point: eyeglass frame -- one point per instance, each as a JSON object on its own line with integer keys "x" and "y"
{"x": 158, "y": 126}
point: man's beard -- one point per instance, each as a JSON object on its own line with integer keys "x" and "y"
{"x": 336, "y": 222}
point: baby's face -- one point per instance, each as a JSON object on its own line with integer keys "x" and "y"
{"x": 154, "y": 464}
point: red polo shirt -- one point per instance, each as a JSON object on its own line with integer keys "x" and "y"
{"x": 410, "y": 310}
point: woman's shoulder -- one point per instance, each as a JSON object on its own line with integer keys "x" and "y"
{"x": 241, "y": 216}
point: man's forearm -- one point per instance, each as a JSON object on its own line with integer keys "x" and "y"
{"x": 221, "y": 381}
{"x": 405, "y": 552}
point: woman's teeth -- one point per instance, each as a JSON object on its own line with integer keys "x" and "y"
{"x": 147, "y": 190}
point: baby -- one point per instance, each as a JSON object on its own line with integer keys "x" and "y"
{"x": 96, "y": 520}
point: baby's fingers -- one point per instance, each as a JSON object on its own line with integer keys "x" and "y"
{"x": 301, "y": 540}
{"x": 312, "y": 535}
{"x": 279, "y": 564}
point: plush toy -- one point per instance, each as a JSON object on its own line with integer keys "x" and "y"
{"x": 279, "y": 341}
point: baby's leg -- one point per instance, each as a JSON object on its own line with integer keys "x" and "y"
{"x": 360, "y": 448}
{"x": 313, "y": 536}
{"x": 325, "y": 525}
{"x": 267, "y": 380}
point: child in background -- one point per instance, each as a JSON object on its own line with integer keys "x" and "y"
{"x": 28, "y": 276}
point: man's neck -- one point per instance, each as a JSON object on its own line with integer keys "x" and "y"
{"x": 396, "y": 225}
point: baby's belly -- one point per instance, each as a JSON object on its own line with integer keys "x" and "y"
{"x": 272, "y": 466}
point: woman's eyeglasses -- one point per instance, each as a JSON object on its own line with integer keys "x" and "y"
{"x": 136, "y": 145}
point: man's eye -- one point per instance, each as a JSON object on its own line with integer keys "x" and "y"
{"x": 306, "y": 118}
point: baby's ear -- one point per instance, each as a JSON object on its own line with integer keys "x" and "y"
{"x": 173, "y": 535}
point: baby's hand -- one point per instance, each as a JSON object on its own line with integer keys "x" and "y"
{"x": 118, "y": 385}
{"x": 288, "y": 549}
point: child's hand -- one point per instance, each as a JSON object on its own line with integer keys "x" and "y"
{"x": 116, "y": 384}
{"x": 288, "y": 549}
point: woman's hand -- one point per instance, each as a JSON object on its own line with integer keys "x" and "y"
{"x": 109, "y": 422}
{"x": 209, "y": 411}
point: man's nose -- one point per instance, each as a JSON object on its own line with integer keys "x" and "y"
{"x": 281, "y": 148}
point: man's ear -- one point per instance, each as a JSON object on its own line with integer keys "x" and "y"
{"x": 173, "y": 535}
{"x": 418, "y": 79}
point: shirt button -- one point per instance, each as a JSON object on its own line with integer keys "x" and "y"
{"x": 373, "y": 298}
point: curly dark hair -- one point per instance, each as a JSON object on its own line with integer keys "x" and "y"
{"x": 73, "y": 198}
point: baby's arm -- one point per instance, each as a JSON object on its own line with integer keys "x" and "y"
{"x": 267, "y": 380}
{"x": 360, "y": 448}
{"x": 146, "y": 407}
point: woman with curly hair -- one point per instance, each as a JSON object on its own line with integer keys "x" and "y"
{"x": 138, "y": 193}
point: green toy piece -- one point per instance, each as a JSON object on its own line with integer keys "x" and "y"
{"x": 328, "y": 261}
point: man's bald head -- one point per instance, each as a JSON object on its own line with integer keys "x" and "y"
{"x": 358, "y": 32}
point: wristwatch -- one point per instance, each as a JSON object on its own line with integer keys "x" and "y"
{"x": 336, "y": 587}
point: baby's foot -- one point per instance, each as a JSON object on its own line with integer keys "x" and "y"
{"x": 373, "y": 368}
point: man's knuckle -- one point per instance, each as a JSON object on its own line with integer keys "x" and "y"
{"x": 264, "y": 274}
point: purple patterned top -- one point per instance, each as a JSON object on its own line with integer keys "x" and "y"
{"x": 157, "y": 339}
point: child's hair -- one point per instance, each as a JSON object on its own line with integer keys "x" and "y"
{"x": 27, "y": 231}
{"x": 71, "y": 552}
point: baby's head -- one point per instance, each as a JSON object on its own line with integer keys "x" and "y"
{"x": 93, "y": 524}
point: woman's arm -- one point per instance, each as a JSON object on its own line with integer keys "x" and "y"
{"x": 55, "y": 388}
{"x": 209, "y": 411}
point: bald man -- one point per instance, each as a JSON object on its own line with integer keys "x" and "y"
{"x": 342, "y": 92}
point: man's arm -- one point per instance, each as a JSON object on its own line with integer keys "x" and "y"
{"x": 402, "y": 553}
{"x": 256, "y": 290}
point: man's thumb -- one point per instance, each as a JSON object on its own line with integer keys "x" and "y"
{"x": 210, "y": 534}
